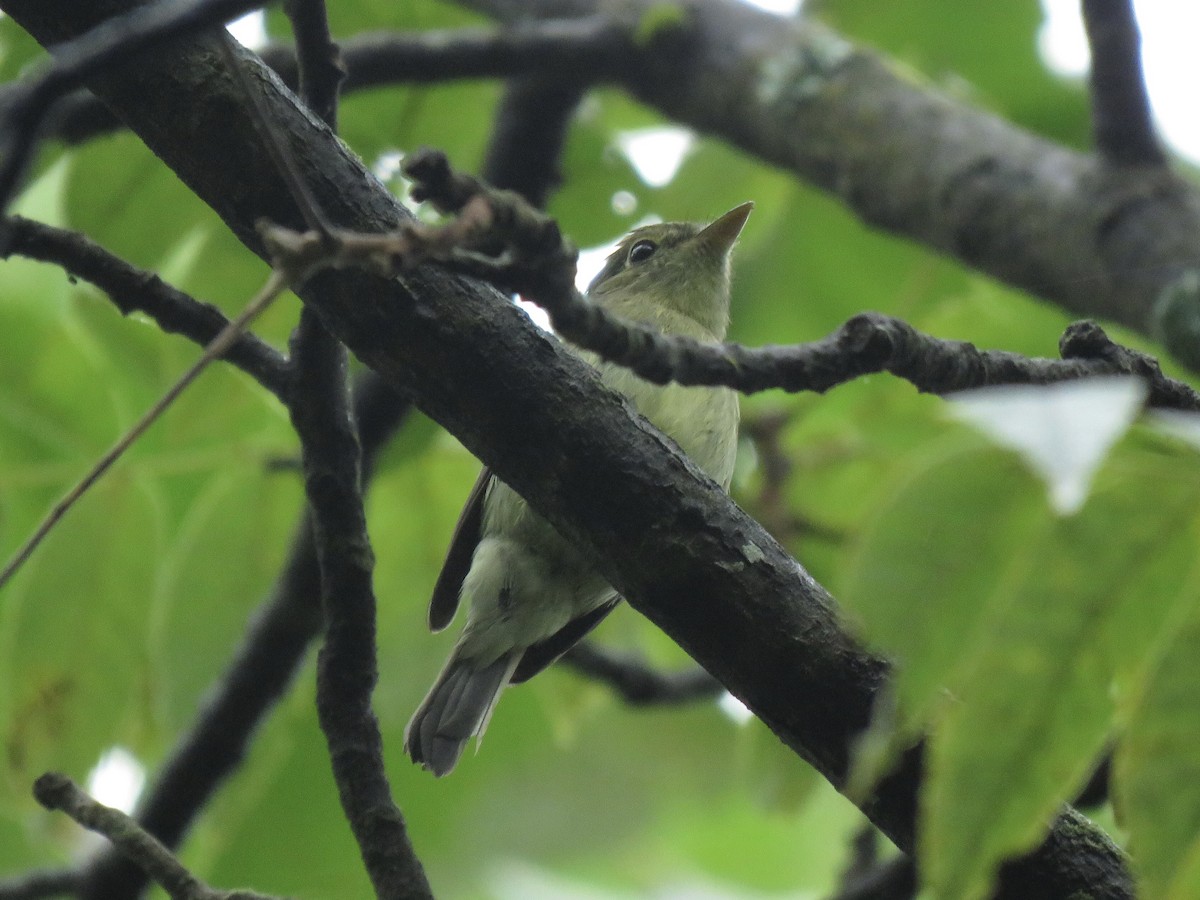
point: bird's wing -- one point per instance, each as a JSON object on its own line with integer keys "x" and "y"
{"x": 543, "y": 653}
{"x": 444, "y": 603}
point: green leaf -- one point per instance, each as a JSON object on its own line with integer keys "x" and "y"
{"x": 1034, "y": 708}
{"x": 962, "y": 526}
{"x": 121, "y": 195}
{"x": 17, "y": 50}
{"x": 1156, "y": 779}
{"x": 1002, "y": 71}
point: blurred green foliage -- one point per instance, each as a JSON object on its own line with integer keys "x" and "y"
{"x": 1026, "y": 641}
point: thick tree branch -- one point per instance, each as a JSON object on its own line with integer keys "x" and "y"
{"x": 539, "y": 417}
{"x": 136, "y": 290}
{"x": 1121, "y": 119}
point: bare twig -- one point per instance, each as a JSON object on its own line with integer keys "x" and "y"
{"x": 219, "y": 345}
{"x": 133, "y": 289}
{"x": 1121, "y": 119}
{"x": 499, "y": 237}
{"x": 638, "y": 684}
{"x": 58, "y": 792}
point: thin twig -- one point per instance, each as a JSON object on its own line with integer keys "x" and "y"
{"x": 638, "y": 684}
{"x": 58, "y": 792}
{"x": 273, "y": 142}
{"x": 220, "y": 344}
{"x": 866, "y": 344}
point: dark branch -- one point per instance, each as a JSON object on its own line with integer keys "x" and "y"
{"x": 257, "y": 677}
{"x": 1102, "y": 241}
{"x": 136, "y": 290}
{"x": 895, "y": 879}
{"x": 589, "y": 50}
{"x": 1121, "y": 120}
{"x": 638, "y": 684}
{"x": 40, "y": 883}
{"x": 57, "y": 792}
{"x": 318, "y": 59}
{"x": 332, "y": 457}
{"x": 499, "y": 237}
{"x": 346, "y": 668}
{"x": 528, "y": 135}
{"x": 112, "y": 42}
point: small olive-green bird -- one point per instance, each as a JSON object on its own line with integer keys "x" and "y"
{"x": 531, "y": 594}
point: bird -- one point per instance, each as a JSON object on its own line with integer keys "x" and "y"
{"x": 531, "y": 594}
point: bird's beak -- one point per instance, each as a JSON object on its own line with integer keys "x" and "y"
{"x": 721, "y": 234}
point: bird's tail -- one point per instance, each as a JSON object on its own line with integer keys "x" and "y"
{"x": 456, "y": 709}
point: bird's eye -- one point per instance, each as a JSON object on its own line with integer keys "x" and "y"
{"x": 642, "y": 251}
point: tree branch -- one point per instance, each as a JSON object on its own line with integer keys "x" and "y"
{"x": 346, "y": 669}
{"x": 136, "y": 290}
{"x": 587, "y": 50}
{"x": 57, "y": 792}
{"x": 346, "y": 664}
{"x": 258, "y": 676}
{"x": 1121, "y": 119}
{"x": 497, "y": 236}
{"x": 40, "y": 883}
{"x": 529, "y": 134}
{"x": 318, "y": 58}
{"x": 112, "y": 42}
{"x": 638, "y": 684}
